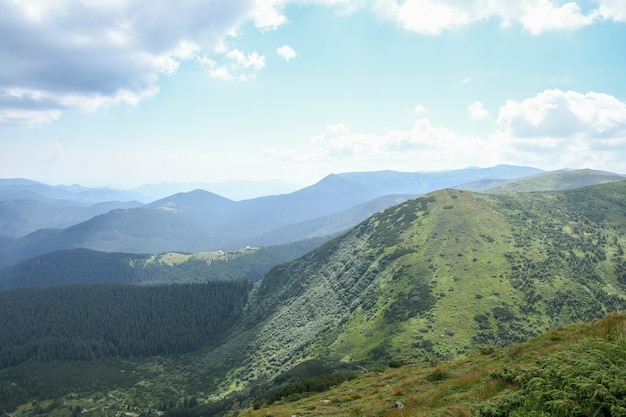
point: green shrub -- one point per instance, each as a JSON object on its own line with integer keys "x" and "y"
{"x": 439, "y": 374}
{"x": 396, "y": 363}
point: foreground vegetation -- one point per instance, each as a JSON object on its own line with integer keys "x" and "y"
{"x": 578, "y": 370}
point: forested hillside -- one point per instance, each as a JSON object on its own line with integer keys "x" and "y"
{"x": 79, "y": 323}
{"x": 84, "y": 266}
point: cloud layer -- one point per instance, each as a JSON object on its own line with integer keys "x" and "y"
{"x": 80, "y": 55}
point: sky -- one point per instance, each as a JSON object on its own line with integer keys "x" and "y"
{"x": 125, "y": 92}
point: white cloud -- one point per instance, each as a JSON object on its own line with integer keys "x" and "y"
{"x": 78, "y": 55}
{"x": 27, "y": 118}
{"x": 432, "y": 17}
{"x": 545, "y": 15}
{"x": 552, "y": 130}
{"x": 269, "y": 14}
{"x": 240, "y": 60}
{"x": 205, "y": 61}
{"x": 477, "y": 111}
{"x": 565, "y": 128}
{"x": 237, "y": 64}
{"x": 563, "y": 114}
{"x": 613, "y": 10}
{"x": 423, "y": 16}
{"x": 286, "y": 52}
{"x": 220, "y": 72}
{"x": 420, "y": 108}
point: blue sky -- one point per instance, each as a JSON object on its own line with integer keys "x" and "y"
{"x": 125, "y": 92}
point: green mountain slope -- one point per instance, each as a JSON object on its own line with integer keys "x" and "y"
{"x": 435, "y": 277}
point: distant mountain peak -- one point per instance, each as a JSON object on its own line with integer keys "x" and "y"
{"x": 196, "y": 199}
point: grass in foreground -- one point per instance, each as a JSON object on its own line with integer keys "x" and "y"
{"x": 570, "y": 371}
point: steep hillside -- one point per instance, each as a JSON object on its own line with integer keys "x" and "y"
{"x": 435, "y": 277}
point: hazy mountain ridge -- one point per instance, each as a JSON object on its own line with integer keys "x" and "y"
{"x": 546, "y": 181}
{"x": 331, "y": 224}
{"x": 394, "y": 182}
{"x": 20, "y": 217}
{"x": 234, "y": 190}
{"x": 200, "y": 220}
{"x": 19, "y": 188}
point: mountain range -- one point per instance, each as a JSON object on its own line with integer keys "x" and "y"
{"x": 431, "y": 279}
{"x": 200, "y": 220}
